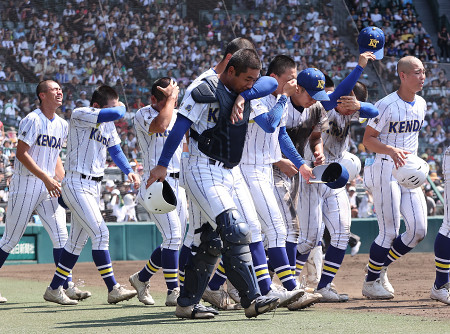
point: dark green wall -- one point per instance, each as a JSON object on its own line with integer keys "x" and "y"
{"x": 136, "y": 241}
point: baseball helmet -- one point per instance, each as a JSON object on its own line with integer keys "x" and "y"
{"x": 159, "y": 198}
{"x": 413, "y": 173}
{"x": 352, "y": 163}
{"x": 334, "y": 175}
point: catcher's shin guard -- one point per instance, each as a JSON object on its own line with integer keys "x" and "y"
{"x": 200, "y": 267}
{"x": 236, "y": 256}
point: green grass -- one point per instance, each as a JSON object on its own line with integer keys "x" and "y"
{"x": 27, "y": 312}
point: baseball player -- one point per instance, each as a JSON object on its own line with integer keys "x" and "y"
{"x": 392, "y": 136}
{"x": 318, "y": 202}
{"x": 441, "y": 286}
{"x": 262, "y": 148}
{"x": 91, "y": 133}
{"x": 35, "y": 184}
{"x": 212, "y": 179}
{"x": 153, "y": 123}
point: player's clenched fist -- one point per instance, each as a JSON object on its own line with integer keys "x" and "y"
{"x": 290, "y": 87}
{"x": 320, "y": 158}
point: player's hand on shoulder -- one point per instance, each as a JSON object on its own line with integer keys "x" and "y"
{"x": 53, "y": 186}
{"x": 365, "y": 57}
{"x": 290, "y": 87}
{"x": 133, "y": 177}
{"x": 320, "y": 158}
{"x": 399, "y": 156}
{"x": 348, "y": 105}
{"x": 158, "y": 173}
{"x": 238, "y": 110}
{"x": 171, "y": 91}
{"x": 306, "y": 172}
{"x": 287, "y": 167}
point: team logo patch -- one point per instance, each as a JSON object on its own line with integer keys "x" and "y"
{"x": 320, "y": 84}
{"x": 24, "y": 133}
{"x": 376, "y": 120}
{"x": 373, "y": 42}
{"x": 188, "y": 108}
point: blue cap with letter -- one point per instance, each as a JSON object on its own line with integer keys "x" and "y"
{"x": 372, "y": 39}
{"x": 313, "y": 81}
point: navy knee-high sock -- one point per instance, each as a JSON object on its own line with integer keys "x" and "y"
{"x": 63, "y": 268}
{"x": 442, "y": 260}
{"x": 331, "y": 264}
{"x": 397, "y": 250}
{"x": 260, "y": 266}
{"x": 291, "y": 251}
{"x": 376, "y": 261}
{"x": 152, "y": 266}
{"x": 102, "y": 260}
{"x": 56, "y": 255}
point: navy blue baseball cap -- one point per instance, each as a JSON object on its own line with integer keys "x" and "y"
{"x": 334, "y": 175}
{"x": 372, "y": 39}
{"x": 313, "y": 81}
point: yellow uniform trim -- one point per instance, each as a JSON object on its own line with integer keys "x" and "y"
{"x": 299, "y": 266}
{"x": 151, "y": 267}
{"x": 284, "y": 273}
{"x": 171, "y": 275}
{"x": 374, "y": 267}
{"x": 391, "y": 253}
{"x": 220, "y": 268}
{"x": 261, "y": 272}
{"x": 105, "y": 271}
{"x": 65, "y": 273}
{"x": 443, "y": 266}
{"x": 333, "y": 270}
{"x": 181, "y": 278}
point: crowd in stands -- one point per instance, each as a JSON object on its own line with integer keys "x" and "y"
{"x": 128, "y": 44}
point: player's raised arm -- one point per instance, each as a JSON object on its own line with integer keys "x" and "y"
{"x": 262, "y": 87}
{"x": 164, "y": 99}
{"x": 179, "y": 129}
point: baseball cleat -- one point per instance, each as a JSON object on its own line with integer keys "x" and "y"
{"x": 375, "y": 290}
{"x": 58, "y": 296}
{"x": 233, "y": 292}
{"x": 3, "y": 299}
{"x": 307, "y": 300}
{"x": 76, "y": 294}
{"x": 330, "y": 295}
{"x": 286, "y": 297}
{"x": 196, "y": 311}
{"x": 442, "y": 294}
{"x": 385, "y": 281}
{"x": 218, "y": 298}
{"x": 119, "y": 293}
{"x": 261, "y": 305}
{"x": 172, "y": 296}
{"x": 143, "y": 290}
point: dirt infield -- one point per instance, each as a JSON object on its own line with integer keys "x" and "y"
{"x": 412, "y": 278}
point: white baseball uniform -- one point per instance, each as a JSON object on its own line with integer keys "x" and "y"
{"x": 87, "y": 144}
{"x": 27, "y": 192}
{"x": 261, "y": 150}
{"x": 399, "y": 124}
{"x": 213, "y": 188}
{"x": 173, "y": 224}
{"x": 300, "y": 123}
{"x": 318, "y": 201}
{"x": 445, "y": 227}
